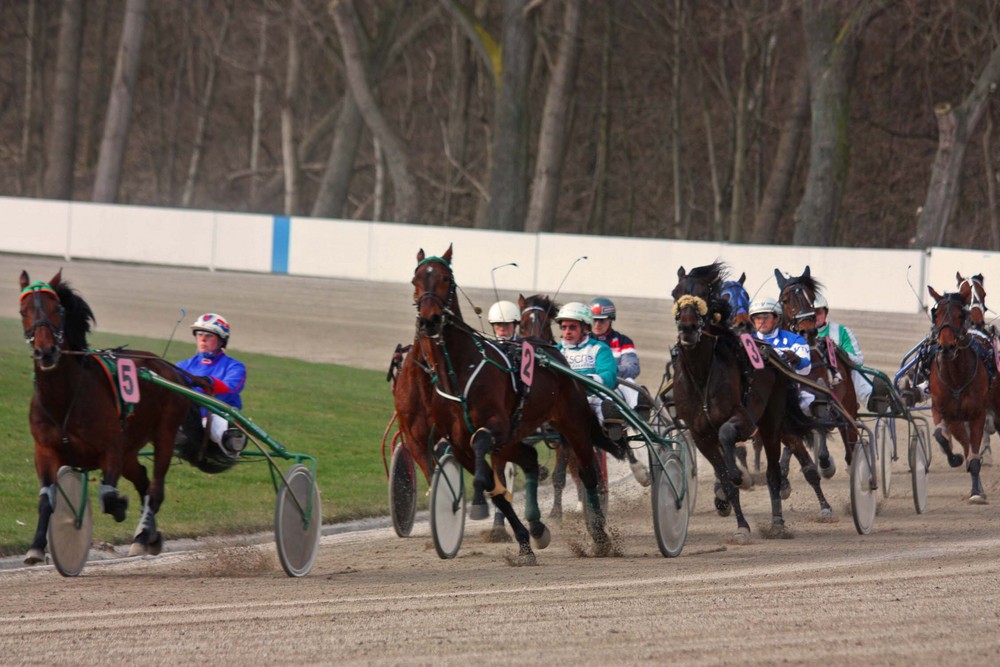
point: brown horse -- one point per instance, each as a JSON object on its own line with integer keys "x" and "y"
{"x": 476, "y": 404}
{"x": 721, "y": 399}
{"x": 959, "y": 387}
{"x": 797, "y": 296}
{"x": 76, "y": 417}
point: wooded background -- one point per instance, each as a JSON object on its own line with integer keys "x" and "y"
{"x": 814, "y": 122}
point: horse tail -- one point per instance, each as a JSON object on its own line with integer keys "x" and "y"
{"x": 600, "y": 439}
{"x": 796, "y": 422}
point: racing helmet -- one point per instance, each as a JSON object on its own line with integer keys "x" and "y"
{"x": 212, "y": 323}
{"x": 574, "y": 310}
{"x": 765, "y": 305}
{"x": 819, "y": 301}
{"x": 503, "y": 312}
{"x": 602, "y": 308}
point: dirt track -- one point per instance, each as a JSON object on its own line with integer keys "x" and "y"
{"x": 922, "y": 589}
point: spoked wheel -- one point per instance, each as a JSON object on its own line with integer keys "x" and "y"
{"x": 671, "y": 511}
{"x": 298, "y": 518}
{"x": 448, "y": 507}
{"x": 918, "y": 470}
{"x": 864, "y": 498}
{"x": 885, "y": 439}
{"x": 691, "y": 467}
{"x": 402, "y": 491}
{"x": 72, "y": 525}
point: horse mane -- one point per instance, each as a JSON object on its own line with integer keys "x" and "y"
{"x": 77, "y": 316}
{"x": 714, "y": 275}
{"x": 806, "y": 281}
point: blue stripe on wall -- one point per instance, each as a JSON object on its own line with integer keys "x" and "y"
{"x": 279, "y": 244}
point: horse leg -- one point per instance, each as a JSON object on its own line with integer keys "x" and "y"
{"x": 525, "y": 555}
{"x": 498, "y": 533}
{"x": 482, "y": 481}
{"x": 592, "y": 508}
{"x": 811, "y": 474}
{"x": 977, "y": 496}
{"x": 559, "y": 481}
{"x": 744, "y": 467}
{"x": 532, "y": 513}
{"x": 943, "y": 436}
{"x": 729, "y": 435}
{"x": 731, "y": 497}
{"x": 112, "y": 502}
{"x": 46, "y": 501}
{"x": 147, "y": 539}
{"x": 786, "y": 458}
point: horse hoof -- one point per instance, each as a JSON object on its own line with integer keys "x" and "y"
{"x": 977, "y": 499}
{"x": 555, "y": 513}
{"x": 826, "y": 515}
{"x": 137, "y": 549}
{"x": 786, "y": 489}
{"x": 542, "y": 540}
{"x": 741, "y": 536}
{"x": 579, "y": 506}
{"x": 498, "y": 535}
{"x": 34, "y": 557}
{"x": 115, "y": 505}
{"x": 525, "y": 558}
{"x": 722, "y": 507}
{"x": 829, "y": 470}
{"x": 640, "y": 473}
{"x": 155, "y": 545}
{"x": 955, "y": 460}
{"x": 478, "y": 512}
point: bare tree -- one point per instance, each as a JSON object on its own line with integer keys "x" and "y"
{"x": 61, "y": 150}
{"x": 289, "y": 158}
{"x": 405, "y": 193}
{"x": 955, "y": 128}
{"x": 556, "y": 120}
{"x": 116, "y": 122}
{"x": 27, "y": 111}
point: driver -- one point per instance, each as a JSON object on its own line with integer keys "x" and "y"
{"x": 792, "y": 347}
{"x": 845, "y": 340}
{"x": 504, "y": 316}
{"x": 227, "y": 377}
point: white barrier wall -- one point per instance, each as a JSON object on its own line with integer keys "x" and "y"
{"x": 855, "y": 278}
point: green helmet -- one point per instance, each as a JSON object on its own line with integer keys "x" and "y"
{"x": 574, "y": 310}
{"x": 602, "y": 308}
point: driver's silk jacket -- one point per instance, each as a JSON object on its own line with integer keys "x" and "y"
{"x": 227, "y": 374}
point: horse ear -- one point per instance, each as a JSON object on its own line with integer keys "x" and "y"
{"x": 978, "y": 277}
{"x": 780, "y": 278}
{"x": 958, "y": 277}
{"x": 805, "y": 274}
{"x": 447, "y": 255}
{"x": 56, "y": 279}
{"x": 521, "y": 303}
{"x": 743, "y": 277}
{"x": 25, "y": 280}
{"x": 933, "y": 293}
{"x": 420, "y": 255}
{"x": 681, "y": 273}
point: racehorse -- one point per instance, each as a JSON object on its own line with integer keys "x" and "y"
{"x": 712, "y": 392}
{"x": 796, "y": 298}
{"x": 734, "y": 292}
{"x": 959, "y": 387}
{"x": 76, "y": 417}
{"x": 478, "y": 407}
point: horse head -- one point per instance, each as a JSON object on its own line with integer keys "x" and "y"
{"x": 974, "y": 295}
{"x": 739, "y": 304}
{"x": 950, "y": 320}
{"x": 434, "y": 292}
{"x": 43, "y": 319}
{"x": 698, "y": 301}
{"x": 796, "y": 298}
{"x": 537, "y": 314}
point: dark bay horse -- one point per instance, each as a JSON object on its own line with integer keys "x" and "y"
{"x": 712, "y": 392}
{"x": 959, "y": 387}
{"x": 797, "y": 296}
{"x": 478, "y": 405}
{"x": 76, "y": 417}
{"x": 734, "y": 292}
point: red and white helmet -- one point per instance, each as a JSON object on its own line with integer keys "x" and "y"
{"x": 212, "y": 323}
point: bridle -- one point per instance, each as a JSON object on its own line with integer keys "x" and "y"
{"x": 35, "y": 291}
{"x": 739, "y": 302}
{"x": 444, "y": 304}
{"x": 796, "y": 300}
{"x": 958, "y": 330}
{"x": 977, "y": 296}
{"x": 535, "y": 323}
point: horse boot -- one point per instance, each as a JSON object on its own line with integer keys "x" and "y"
{"x": 558, "y": 484}
{"x": 482, "y": 444}
{"x": 744, "y": 467}
{"x": 113, "y": 503}
{"x": 722, "y": 504}
{"x": 978, "y": 496}
{"x": 943, "y": 439}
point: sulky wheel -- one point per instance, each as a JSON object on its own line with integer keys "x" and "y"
{"x": 885, "y": 441}
{"x": 298, "y": 519}
{"x": 402, "y": 491}
{"x": 447, "y": 507}
{"x": 864, "y": 498}
{"x": 71, "y": 526}
{"x": 671, "y": 511}
{"x": 918, "y": 470}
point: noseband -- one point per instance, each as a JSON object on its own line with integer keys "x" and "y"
{"x": 445, "y": 303}
{"x": 537, "y": 323}
{"x": 35, "y": 291}
{"x": 958, "y": 330}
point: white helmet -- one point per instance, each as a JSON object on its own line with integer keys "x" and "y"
{"x": 574, "y": 310}
{"x": 502, "y": 312}
{"x": 819, "y": 301}
{"x": 212, "y": 323}
{"x": 765, "y": 305}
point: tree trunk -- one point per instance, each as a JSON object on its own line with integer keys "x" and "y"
{"x": 116, "y": 122}
{"x": 258, "y": 107}
{"x": 91, "y": 102}
{"x": 785, "y": 158}
{"x": 509, "y": 178}
{"x": 335, "y": 183}
{"x": 61, "y": 153}
{"x": 740, "y": 121}
{"x": 955, "y": 128}
{"x": 27, "y": 112}
{"x": 676, "y": 107}
{"x": 405, "y": 192}
{"x": 991, "y": 185}
{"x": 556, "y": 123}
{"x": 289, "y": 155}
{"x": 599, "y": 179}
